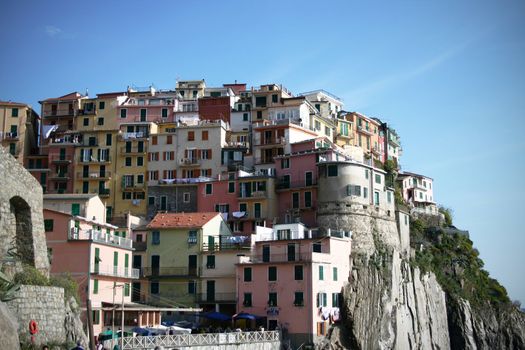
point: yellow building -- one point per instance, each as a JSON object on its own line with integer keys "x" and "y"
{"x": 174, "y": 258}
{"x": 365, "y": 133}
{"x": 18, "y": 129}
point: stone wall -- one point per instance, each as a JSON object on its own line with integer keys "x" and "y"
{"x": 46, "y": 306}
{"x": 22, "y": 234}
{"x": 174, "y": 200}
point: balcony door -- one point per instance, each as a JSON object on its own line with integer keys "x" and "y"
{"x": 210, "y": 290}
{"x": 155, "y": 265}
{"x": 192, "y": 265}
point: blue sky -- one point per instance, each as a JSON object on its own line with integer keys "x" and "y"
{"x": 448, "y": 75}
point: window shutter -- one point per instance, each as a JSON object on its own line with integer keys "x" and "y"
{"x": 164, "y": 173}
{"x": 147, "y": 175}
{"x": 174, "y": 173}
{"x": 185, "y": 153}
{"x": 163, "y": 155}
{"x": 199, "y": 154}
{"x": 197, "y": 173}
{"x": 156, "y": 175}
{"x": 209, "y": 154}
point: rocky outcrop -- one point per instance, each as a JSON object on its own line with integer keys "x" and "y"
{"x": 8, "y": 329}
{"x": 74, "y": 329}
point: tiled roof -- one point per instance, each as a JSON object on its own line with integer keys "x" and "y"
{"x": 11, "y": 103}
{"x": 69, "y": 97}
{"x": 181, "y": 220}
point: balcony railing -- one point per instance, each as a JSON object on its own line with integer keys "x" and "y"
{"x": 295, "y": 184}
{"x": 133, "y": 185}
{"x": 59, "y": 176}
{"x": 61, "y": 113}
{"x": 364, "y": 129}
{"x": 61, "y": 158}
{"x": 94, "y": 175}
{"x": 104, "y": 192}
{"x": 170, "y": 271}
{"x": 132, "y": 150}
{"x": 270, "y": 141}
{"x": 140, "y": 246}
{"x": 105, "y": 159}
{"x": 115, "y": 271}
{"x": 254, "y": 194}
{"x": 100, "y": 237}
{"x": 298, "y": 256}
{"x": 9, "y": 136}
{"x": 216, "y": 297}
{"x": 189, "y": 162}
{"x": 134, "y": 135}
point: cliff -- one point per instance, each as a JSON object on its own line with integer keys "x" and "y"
{"x": 429, "y": 299}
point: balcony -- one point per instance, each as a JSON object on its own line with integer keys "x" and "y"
{"x": 105, "y": 159}
{"x": 175, "y": 271}
{"x": 270, "y": 141}
{"x": 365, "y": 130}
{"x": 61, "y": 158}
{"x": 189, "y": 162}
{"x": 100, "y": 237}
{"x": 131, "y": 186}
{"x": 140, "y": 246}
{"x": 273, "y": 258}
{"x": 10, "y": 136}
{"x": 103, "y": 192}
{"x": 134, "y": 135}
{"x": 115, "y": 271}
{"x": 61, "y": 113}
{"x": 60, "y": 176}
{"x": 284, "y": 185}
{"x": 132, "y": 150}
{"x": 255, "y": 194}
{"x": 216, "y": 297}
{"x": 94, "y": 175}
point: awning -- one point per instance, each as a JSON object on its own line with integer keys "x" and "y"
{"x": 246, "y": 316}
{"x": 217, "y": 316}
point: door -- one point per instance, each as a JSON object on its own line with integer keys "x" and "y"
{"x": 14, "y": 131}
{"x": 62, "y": 154}
{"x": 291, "y": 252}
{"x": 192, "y": 265}
{"x": 85, "y": 187}
{"x": 155, "y": 263}
{"x": 308, "y": 178}
{"x": 210, "y": 290}
{"x": 266, "y": 253}
{"x": 85, "y": 171}
{"x": 135, "y": 294}
{"x": 211, "y": 243}
{"x": 137, "y": 261}
{"x": 102, "y": 171}
{"x": 97, "y": 260}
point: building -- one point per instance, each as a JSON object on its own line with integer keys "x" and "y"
{"x": 366, "y": 134}
{"x": 294, "y": 277}
{"x": 328, "y": 105}
{"x": 174, "y": 256}
{"x": 19, "y": 130}
{"x": 98, "y": 257}
{"x": 418, "y": 193}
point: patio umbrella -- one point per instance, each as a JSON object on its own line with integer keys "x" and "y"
{"x": 245, "y": 316}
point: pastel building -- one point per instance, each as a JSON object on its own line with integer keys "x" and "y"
{"x": 294, "y": 277}
{"x": 19, "y": 130}
{"x": 328, "y": 105}
{"x": 418, "y": 192}
{"x": 98, "y": 258}
{"x": 174, "y": 263}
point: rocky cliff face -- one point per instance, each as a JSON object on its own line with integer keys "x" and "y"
{"x": 391, "y": 304}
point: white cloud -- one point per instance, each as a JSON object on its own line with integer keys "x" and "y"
{"x": 52, "y": 30}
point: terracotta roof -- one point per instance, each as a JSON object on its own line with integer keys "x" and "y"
{"x": 69, "y": 97}
{"x": 181, "y": 220}
{"x": 11, "y": 103}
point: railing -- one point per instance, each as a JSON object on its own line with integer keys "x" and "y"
{"x": 170, "y": 271}
{"x": 364, "y": 129}
{"x": 188, "y": 180}
{"x": 189, "y": 161}
{"x": 68, "y": 113}
{"x": 104, "y": 192}
{"x": 271, "y": 141}
{"x": 100, "y": 237}
{"x": 93, "y": 175}
{"x": 94, "y": 159}
{"x": 59, "y": 175}
{"x": 130, "y": 150}
{"x": 207, "y": 339}
{"x": 254, "y": 194}
{"x": 9, "y": 136}
{"x": 115, "y": 271}
{"x": 298, "y": 256}
{"x": 225, "y": 246}
{"x": 61, "y": 158}
{"x": 203, "y": 297}
{"x": 133, "y": 135}
{"x": 140, "y": 246}
{"x": 295, "y": 184}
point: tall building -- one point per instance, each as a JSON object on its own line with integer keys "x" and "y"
{"x": 19, "y": 130}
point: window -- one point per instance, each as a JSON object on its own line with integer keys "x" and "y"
{"x": 192, "y": 237}
{"x": 75, "y": 209}
{"x": 154, "y": 175}
{"x": 186, "y": 197}
{"x": 298, "y": 272}
{"x": 48, "y": 225}
{"x": 321, "y": 272}
{"x": 12, "y": 148}
{"x": 169, "y": 139}
{"x": 140, "y": 161}
{"x": 257, "y": 210}
{"x": 376, "y": 198}
{"x": 204, "y": 135}
{"x": 206, "y": 154}
{"x": 272, "y": 299}
{"x": 243, "y": 207}
{"x": 285, "y": 163}
{"x": 298, "y": 299}
{"x": 378, "y": 179}
{"x": 209, "y": 188}
{"x": 108, "y": 139}
{"x": 247, "y": 274}
{"x": 14, "y": 112}
{"x": 100, "y": 121}
{"x": 317, "y": 125}
{"x": 95, "y": 316}
{"x": 266, "y": 253}
{"x": 389, "y": 197}
{"x": 321, "y": 299}
{"x": 365, "y": 192}
{"x": 272, "y": 273}
{"x": 366, "y": 174}
{"x": 231, "y": 187}
{"x": 308, "y": 199}
{"x": 155, "y": 237}
{"x": 95, "y": 286}
{"x": 86, "y": 121}
{"x": 247, "y": 299}
{"x": 316, "y": 247}
{"x": 126, "y": 289}
{"x": 164, "y": 113}
{"x": 406, "y": 219}
{"x": 210, "y": 261}
{"x": 101, "y": 105}
{"x": 259, "y": 114}
{"x": 334, "y": 273}
{"x": 192, "y": 287}
{"x": 128, "y": 161}
{"x": 295, "y": 200}
{"x": 154, "y": 287}
{"x": 327, "y": 131}
{"x": 318, "y": 107}
{"x": 123, "y": 113}
{"x": 353, "y": 190}
{"x": 143, "y": 114}
{"x": 260, "y": 101}
{"x": 245, "y": 117}
{"x": 191, "y": 135}
{"x": 332, "y": 170}
{"x": 336, "y": 299}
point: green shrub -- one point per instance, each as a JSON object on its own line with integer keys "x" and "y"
{"x": 68, "y": 283}
{"x": 31, "y": 276}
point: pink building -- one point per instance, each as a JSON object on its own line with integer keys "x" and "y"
{"x": 297, "y": 176}
{"x": 294, "y": 277}
{"x": 99, "y": 259}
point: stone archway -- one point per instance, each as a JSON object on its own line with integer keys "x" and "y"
{"x": 22, "y": 228}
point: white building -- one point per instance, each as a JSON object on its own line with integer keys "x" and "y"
{"x": 418, "y": 192}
